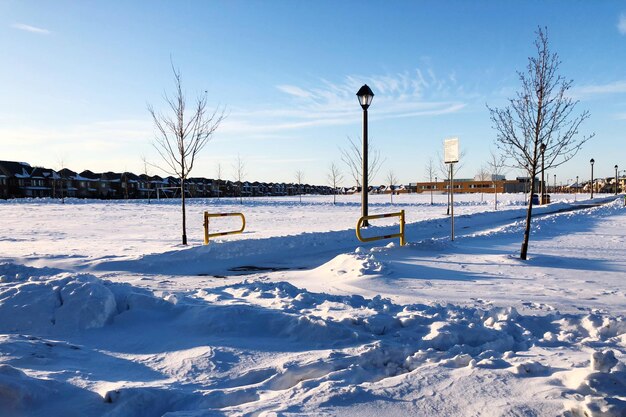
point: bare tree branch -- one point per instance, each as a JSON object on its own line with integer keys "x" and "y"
{"x": 240, "y": 173}
{"x": 540, "y": 113}
{"x": 496, "y": 164}
{"x": 180, "y": 135}
{"x": 299, "y": 179}
{"x": 352, "y": 156}
{"x": 391, "y": 180}
{"x": 431, "y": 172}
{"x": 335, "y": 177}
{"x": 218, "y": 173}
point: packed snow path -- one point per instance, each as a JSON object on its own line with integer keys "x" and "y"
{"x": 433, "y": 328}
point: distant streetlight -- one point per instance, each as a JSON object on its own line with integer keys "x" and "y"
{"x": 542, "y": 149}
{"x": 365, "y": 96}
{"x": 554, "y": 188}
{"x": 576, "y": 189}
{"x": 592, "y": 161}
{"x": 615, "y": 179}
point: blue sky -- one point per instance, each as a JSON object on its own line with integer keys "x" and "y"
{"x": 77, "y": 77}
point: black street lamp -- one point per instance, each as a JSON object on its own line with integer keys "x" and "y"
{"x": 365, "y": 96}
{"x": 615, "y": 179}
{"x": 592, "y": 161}
{"x": 554, "y": 188}
{"x": 576, "y": 190}
{"x": 542, "y": 149}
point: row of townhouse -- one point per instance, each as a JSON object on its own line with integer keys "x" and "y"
{"x": 20, "y": 180}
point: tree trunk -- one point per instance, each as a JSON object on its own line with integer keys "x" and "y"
{"x": 495, "y": 192}
{"x": 524, "y": 252}
{"x": 182, "y": 193}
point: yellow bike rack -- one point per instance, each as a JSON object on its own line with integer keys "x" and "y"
{"x": 208, "y": 215}
{"x": 382, "y": 216}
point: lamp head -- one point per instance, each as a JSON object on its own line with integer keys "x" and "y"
{"x": 365, "y": 96}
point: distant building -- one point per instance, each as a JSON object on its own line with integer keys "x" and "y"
{"x": 464, "y": 185}
{"x": 20, "y": 180}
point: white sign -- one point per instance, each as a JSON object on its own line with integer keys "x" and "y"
{"x": 451, "y": 150}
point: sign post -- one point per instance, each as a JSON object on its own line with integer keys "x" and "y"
{"x": 450, "y": 157}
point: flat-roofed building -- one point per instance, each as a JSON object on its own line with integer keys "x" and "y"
{"x": 465, "y": 185}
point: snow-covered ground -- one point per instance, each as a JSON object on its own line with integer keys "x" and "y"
{"x": 103, "y": 313}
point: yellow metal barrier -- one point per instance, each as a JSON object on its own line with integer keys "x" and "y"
{"x": 208, "y": 215}
{"x": 381, "y": 216}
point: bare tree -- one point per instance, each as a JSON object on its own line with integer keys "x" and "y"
{"x": 240, "y": 173}
{"x": 181, "y": 135}
{"x": 352, "y": 156}
{"x": 482, "y": 175}
{"x": 145, "y": 173}
{"x": 391, "y": 180}
{"x": 218, "y": 173}
{"x": 62, "y": 180}
{"x": 496, "y": 165}
{"x": 335, "y": 177}
{"x": 299, "y": 179}
{"x": 540, "y": 115}
{"x": 430, "y": 174}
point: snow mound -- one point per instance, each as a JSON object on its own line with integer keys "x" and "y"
{"x": 62, "y": 303}
{"x": 17, "y": 390}
{"x": 603, "y": 361}
{"x": 353, "y": 265}
{"x": 600, "y": 407}
{"x": 214, "y": 348}
{"x": 603, "y": 386}
{"x": 10, "y": 272}
{"x": 531, "y": 368}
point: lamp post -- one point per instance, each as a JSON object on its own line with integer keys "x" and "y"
{"x": 365, "y": 96}
{"x": 554, "y": 188}
{"x": 431, "y": 191}
{"x": 615, "y": 179}
{"x": 576, "y": 189}
{"x": 542, "y": 149}
{"x": 592, "y": 161}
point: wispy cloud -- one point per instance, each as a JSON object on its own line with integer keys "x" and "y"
{"x": 31, "y": 29}
{"x": 402, "y": 95}
{"x": 621, "y": 24}
{"x": 615, "y": 87}
{"x": 293, "y": 90}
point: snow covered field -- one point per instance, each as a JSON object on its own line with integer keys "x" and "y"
{"x": 102, "y": 313}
